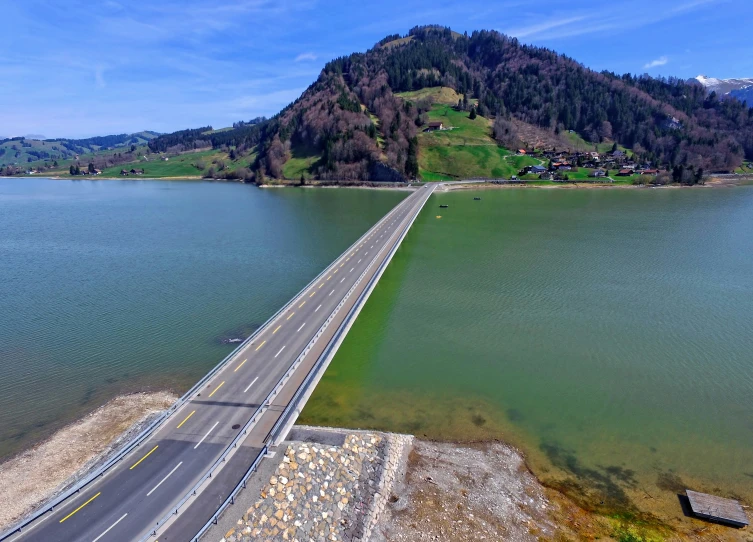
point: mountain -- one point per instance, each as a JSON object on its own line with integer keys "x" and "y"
{"x": 723, "y": 86}
{"x": 744, "y": 94}
{"x": 367, "y": 114}
{"x": 20, "y": 151}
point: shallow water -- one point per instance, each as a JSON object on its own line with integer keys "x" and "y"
{"x": 111, "y": 286}
{"x": 608, "y": 333}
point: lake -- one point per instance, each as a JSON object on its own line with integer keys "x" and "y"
{"x": 607, "y": 333}
{"x": 112, "y": 286}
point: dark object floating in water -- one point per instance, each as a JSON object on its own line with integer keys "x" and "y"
{"x": 476, "y": 199}
{"x": 231, "y": 341}
{"x": 443, "y": 206}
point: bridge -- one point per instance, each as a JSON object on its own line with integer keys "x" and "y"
{"x": 173, "y": 480}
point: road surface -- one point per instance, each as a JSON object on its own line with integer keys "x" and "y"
{"x": 129, "y": 500}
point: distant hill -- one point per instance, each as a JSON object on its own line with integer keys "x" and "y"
{"x": 365, "y": 116}
{"x": 20, "y": 151}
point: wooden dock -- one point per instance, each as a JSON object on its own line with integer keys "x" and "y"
{"x": 717, "y": 508}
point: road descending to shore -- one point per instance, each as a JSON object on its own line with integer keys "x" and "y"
{"x": 128, "y": 501}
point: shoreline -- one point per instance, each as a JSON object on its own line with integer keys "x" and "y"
{"x": 725, "y": 181}
{"x": 43, "y": 471}
{"x": 428, "y": 486}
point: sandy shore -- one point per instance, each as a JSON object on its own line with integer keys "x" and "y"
{"x": 47, "y": 469}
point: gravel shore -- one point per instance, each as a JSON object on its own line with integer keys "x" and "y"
{"x": 49, "y": 468}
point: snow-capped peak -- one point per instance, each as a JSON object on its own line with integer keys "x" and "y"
{"x": 723, "y": 86}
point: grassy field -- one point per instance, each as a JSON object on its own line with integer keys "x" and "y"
{"x": 440, "y": 95}
{"x": 577, "y": 142}
{"x": 465, "y": 149}
{"x": 183, "y": 165}
{"x": 300, "y": 163}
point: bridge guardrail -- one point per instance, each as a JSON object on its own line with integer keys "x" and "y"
{"x": 267, "y": 401}
{"x": 293, "y": 404}
{"x": 50, "y": 505}
{"x": 273, "y": 393}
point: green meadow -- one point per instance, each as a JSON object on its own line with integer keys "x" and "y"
{"x": 464, "y": 149}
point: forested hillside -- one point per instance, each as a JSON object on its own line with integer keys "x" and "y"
{"x": 349, "y": 124}
{"x": 22, "y": 152}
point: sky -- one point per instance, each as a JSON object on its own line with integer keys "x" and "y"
{"x": 76, "y": 68}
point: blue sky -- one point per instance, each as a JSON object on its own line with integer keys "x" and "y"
{"x": 74, "y": 68}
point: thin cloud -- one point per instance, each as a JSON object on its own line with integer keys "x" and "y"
{"x": 661, "y": 61}
{"x": 541, "y": 28}
{"x": 609, "y": 20}
{"x": 305, "y": 57}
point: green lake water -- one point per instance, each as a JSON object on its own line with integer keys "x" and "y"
{"x": 608, "y": 333}
{"x": 113, "y": 286}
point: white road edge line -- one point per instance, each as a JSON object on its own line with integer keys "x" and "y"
{"x": 205, "y": 436}
{"x": 300, "y": 328}
{"x": 280, "y": 352}
{"x": 251, "y": 384}
{"x": 165, "y": 478}
{"x": 110, "y": 527}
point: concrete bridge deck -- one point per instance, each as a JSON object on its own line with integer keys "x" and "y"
{"x": 223, "y": 426}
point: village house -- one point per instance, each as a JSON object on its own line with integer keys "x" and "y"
{"x": 625, "y": 173}
{"x": 598, "y": 173}
{"x": 537, "y": 169}
{"x": 434, "y": 126}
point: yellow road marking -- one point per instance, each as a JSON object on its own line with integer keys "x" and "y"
{"x": 140, "y": 460}
{"x": 329, "y": 277}
{"x": 218, "y": 387}
{"x": 275, "y": 331}
{"x": 312, "y": 295}
{"x": 184, "y": 421}
{"x": 347, "y": 259}
{"x": 289, "y": 317}
{"x": 322, "y": 284}
{"x": 342, "y": 264}
{"x": 262, "y": 344}
{"x": 241, "y": 365}
{"x": 301, "y": 305}
{"x": 80, "y": 507}
{"x": 336, "y": 270}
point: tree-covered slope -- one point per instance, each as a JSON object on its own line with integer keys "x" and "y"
{"x": 350, "y": 124}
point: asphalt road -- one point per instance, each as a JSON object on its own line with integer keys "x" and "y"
{"x": 133, "y": 496}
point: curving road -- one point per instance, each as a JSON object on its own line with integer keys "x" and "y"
{"x": 129, "y": 500}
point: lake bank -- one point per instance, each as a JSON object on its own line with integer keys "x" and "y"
{"x": 36, "y": 475}
{"x": 413, "y": 489}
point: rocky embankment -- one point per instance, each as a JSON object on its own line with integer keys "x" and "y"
{"x": 326, "y": 492}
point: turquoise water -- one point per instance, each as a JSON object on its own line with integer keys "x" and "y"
{"x": 608, "y": 333}
{"x": 114, "y": 286}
